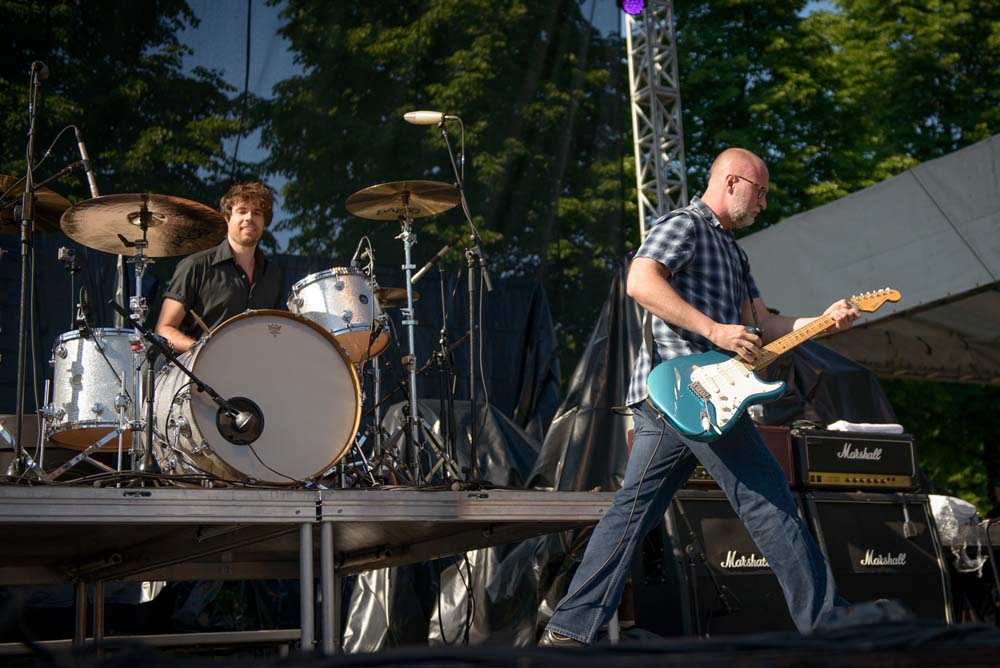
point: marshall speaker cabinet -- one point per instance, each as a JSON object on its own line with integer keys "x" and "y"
{"x": 882, "y": 546}
{"x": 710, "y": 570}
{"x": 854, "y": 460}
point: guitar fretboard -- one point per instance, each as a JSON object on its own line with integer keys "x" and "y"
{"x": 775, "y": 349}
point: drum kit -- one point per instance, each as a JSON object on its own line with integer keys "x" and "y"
{"x": 267, "y": 397}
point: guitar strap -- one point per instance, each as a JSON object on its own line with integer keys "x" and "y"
{"x": 745, "y": 265}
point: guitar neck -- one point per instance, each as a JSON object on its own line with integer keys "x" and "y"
{"x": 779, "y": 347}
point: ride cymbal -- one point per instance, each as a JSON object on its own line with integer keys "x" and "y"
{"x": 174, "y": 226}
{"x": 48, "y": 207}
{"x": 414, "y": 199}
{"x": 394, "y": 297}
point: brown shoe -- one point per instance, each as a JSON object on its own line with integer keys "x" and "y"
{"x": 553, "y": 639}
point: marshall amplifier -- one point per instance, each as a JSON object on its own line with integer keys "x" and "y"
{"x": 711, "y": 569}
{"x": 882, "y": 546}
{"x": 777, "y": 439}
{"x": 856, "y": 460}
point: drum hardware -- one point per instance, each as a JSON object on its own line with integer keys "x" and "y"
{"x": 404, "y": 201}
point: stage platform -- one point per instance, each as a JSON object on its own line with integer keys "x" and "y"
{"x": 64, "y": 534}
{"x": 55, "y": 534}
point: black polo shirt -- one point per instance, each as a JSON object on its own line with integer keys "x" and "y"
{"x": 210, "y": 283}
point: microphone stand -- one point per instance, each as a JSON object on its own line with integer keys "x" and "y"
{"x": 18, "y": 465}
{"x": 474, "y": 259}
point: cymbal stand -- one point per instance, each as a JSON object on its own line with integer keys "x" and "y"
{"x": 410, "y": 361}
{"x": 143, "y": 459}
{"x": 412, "y": 422}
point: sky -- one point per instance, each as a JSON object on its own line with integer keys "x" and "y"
{"x": 219, "y": 43}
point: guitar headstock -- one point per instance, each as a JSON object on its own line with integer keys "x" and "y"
{"x": 869, "y": 302}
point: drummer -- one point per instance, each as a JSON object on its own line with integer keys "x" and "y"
{"x": 213, "y": 285}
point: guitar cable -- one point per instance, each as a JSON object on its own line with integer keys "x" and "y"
{"x": 635, "y": 501}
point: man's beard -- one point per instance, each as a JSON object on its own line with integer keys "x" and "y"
{"x": 741, "y": 214}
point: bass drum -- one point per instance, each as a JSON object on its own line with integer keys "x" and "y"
{"x": 293, "y": 369}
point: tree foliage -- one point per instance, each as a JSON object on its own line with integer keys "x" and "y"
{"x": 543, "y": 100}
{"x": 116, "y": 72}
{"x": 838, "y": 97}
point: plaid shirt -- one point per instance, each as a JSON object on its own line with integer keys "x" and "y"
{"x": 705, "y": 270}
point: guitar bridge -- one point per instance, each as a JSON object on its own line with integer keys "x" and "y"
{"x": 699, "y": 391}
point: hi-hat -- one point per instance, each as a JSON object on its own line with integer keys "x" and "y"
{"x": 48, "y": 207}
{"x": 174, "y": 226}
{"x": 394, "y": 297}
{"x": 413, "y": 199}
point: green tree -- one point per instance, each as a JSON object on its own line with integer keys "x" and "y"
{"x": 544, "y": 103}
{"x": 836, "y": 98}
{"x": 116, "y": 71}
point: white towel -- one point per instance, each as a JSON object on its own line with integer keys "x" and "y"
{"x": 868, "y": 427}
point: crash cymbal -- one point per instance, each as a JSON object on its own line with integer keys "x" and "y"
{"x": 48, "y": 207}
{"x": 389, "y": 201}
{"x": 394, "y": 297}
{"x": 175, "y": 226}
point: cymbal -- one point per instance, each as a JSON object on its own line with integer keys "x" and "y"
{"x": 394, "y": 297}
{"x": 390, "y": 201}
{"x": 48, "y": 207}
{"x": 175, "y": 226}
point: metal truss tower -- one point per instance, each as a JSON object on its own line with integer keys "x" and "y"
{"x": 657, "y": 132}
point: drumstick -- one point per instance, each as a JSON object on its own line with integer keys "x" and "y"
{"x": 201, "y": 323}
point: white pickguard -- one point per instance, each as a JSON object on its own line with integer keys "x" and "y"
{"x": 727, "y": 385}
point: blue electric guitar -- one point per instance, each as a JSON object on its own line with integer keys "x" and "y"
{"x": 702, "y": 395}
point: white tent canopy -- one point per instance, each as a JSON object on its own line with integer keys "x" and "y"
{"x": 933, "y": 233}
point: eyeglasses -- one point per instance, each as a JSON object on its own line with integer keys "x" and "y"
{"x": 761, "y": 190}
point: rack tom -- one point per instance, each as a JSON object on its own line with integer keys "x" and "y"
{"x": 341, "y": 300}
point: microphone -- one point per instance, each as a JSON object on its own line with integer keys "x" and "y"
{"x": 84, "y": 313}
{"x": 357, "y": 254}
{"x": 427, "y": 267}
{"x": 40, "y": 69}
{"x": 242, "y": 419}
{"x": 86, "y": 163}
{"x": 427, "y": 117}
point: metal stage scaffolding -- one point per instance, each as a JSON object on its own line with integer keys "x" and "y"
{"x": 90, "y": 536}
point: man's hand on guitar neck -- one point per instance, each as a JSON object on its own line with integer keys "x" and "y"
{"x": 843, "y": 313}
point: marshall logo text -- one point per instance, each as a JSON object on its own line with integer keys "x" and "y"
{"x": 735, "y": 560}
{"x": 851, "y": 452}
{"x": 872, "y": 559}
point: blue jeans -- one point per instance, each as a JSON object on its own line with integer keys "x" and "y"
{"x": 661, "y": 461}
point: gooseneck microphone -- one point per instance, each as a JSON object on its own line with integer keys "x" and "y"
{"x": 427, "y": 117}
